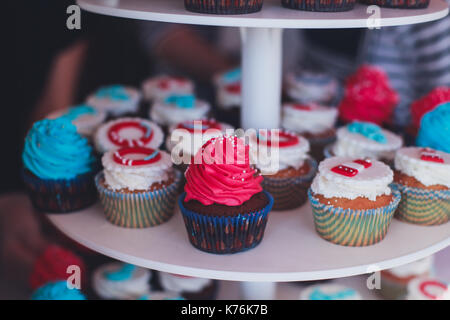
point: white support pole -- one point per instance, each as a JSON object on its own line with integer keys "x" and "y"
{"x": 261, "y": 77}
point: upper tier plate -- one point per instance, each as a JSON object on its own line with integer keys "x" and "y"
{"x": 271, "y": 16}
{"x": 291, "y": 249}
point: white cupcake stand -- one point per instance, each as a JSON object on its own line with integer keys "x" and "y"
{"x": 290, "y": 250}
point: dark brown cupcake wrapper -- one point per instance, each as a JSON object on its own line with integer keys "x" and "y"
{"x": 223, "y": 6}
{"x": 400, "y": 4}
{"x": 319, "y": 5}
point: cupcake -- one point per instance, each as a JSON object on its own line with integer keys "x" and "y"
{"x": 368, "y": 96}
{"x": 428, "y": 289}
{"x": 160, "y": 87}
{"x": 283, "y": 160}
{"x": 178, "y": 108}
{"x": 312, "y": 121}
{"x": 329, "y": 292}
{"x": 115, "y": 100}
{"x": 57, "y": 290}
{"x": 128, "y": 132}
{"x": 434, "y": 129}
{"x": 394, "y": 282}
{"x": 187, "y": 137}
{"x": 138, "y": 187}
{"x": 399, "y": 4}
{"x": 352, "y": 201}
{"x": 121, "y": 281}
{"x": 224, "y": 207}
{"x": 85, "y": 118}
{"x": 223, "y": 7}
{"x": 189, "y": 288}
{"x": 58, "y": 167}
{"x": 365, "y": 140}
{"x": 423, "y": 177}
{"x": 229, "y": 96}
{"x": 311, "y": 87}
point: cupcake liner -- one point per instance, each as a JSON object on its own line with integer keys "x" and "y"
{"x": 289, "y": 193}
{"x": 423, "y": 206}
{"x": 349, "y": 227}
{"x": 225, "y": 234}
{"x": 60, "y": 195}
{"x": 139, "y": 209}
{"x": 318, "y": 146}
{"x": 223, "y": 6}
{"x": 319, "y": 5}
{"x": 403, "y": 4}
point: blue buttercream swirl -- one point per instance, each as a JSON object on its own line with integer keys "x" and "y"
{"x": 125, "y": 272}
{"x": 75, "y": 112}
{"x": 57, "y": 291}
{"x": 317, "y": 294}
{"x": 114, "y": 92}
{"x": 434, "y": 129}
{"x": 186, "y": 101}
{"x": 369, "y": 130}
{"x": 232, "y": 76}
{"x": 54, "y": 150}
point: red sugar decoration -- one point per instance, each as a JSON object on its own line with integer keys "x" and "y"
{"x": 345, "y": 171}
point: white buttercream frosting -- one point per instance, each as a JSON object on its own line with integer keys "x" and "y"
{"x": 416, "y": 268}
{"x": 309, "y": 87}
{"x": 180, "y": 284}
{"x": 227, "y": 99}
{"x": 103, "y": 143}
{"x": 128, "y": 289}
{"x": 316, "y": 120}
{"x": 408, "y": 161}
{"x": 86, "y": 123}
{"x": 160, "y": 87}
{"x": 269, "y": 159}
{"x": 139, "y": 177}
{"x": 169, "y": 114}
{"x": 351, "y": 144}
{"x": 424, "y": 288}
{"x": 116, "y": 107}
{"x": 368, "y": 183}
{"x": 329, "y": 292}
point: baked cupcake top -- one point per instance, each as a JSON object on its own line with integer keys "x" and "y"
{"x": 364, "y": 139}
{"x": 160, "y": 87}
{"x": 415, "y": 268}
{"x": 425, "y": 288}
{"x": 121, "y": 281}
{"x": 351, "y": 178}
{"x": 55, "y": 150}
{"x": 179, "y": 283}
{"x": 428, "y": 166}
{"x": 57, "y": 290}
{"x": 434, "y": 129}
{"x": 221, "y": 173}
{"x": 128, "y": 132}
{"x": 179, "y": 108}
{"x": 311, "y": 118}
{"x": 84, "y": 117}
{"x": 272, "y": 151}
{"x": 136, "y": 168}
{"x": 427, "y": 103}
{"x": 308, "y": 86}
{"x": 329, "y": 292}
{"x": 115, "y": 99}
{"x": 188, "y": 137}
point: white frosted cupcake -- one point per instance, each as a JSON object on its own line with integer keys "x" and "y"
{"x": 394, "y": 282}
{"x": 138, "y": 187}
{"x": 115, "y": 100}
{"x": 128, "y": 132}
{"x": 366, "y": 140}
{"x": 307, "y": 87}
{"x": 428, "y": 289}
{"x": 189, "y": 287}
{"x": 178, "y": 108}
{"x": 423, "y": 177}
{"x": 120, "y": 281}
{"x": 84, "y": 117}
{"x": 160, "y": 87}
{"x": 329, "y": 292}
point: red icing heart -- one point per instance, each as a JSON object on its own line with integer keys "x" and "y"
{"x": 150, "y": 156}
{"x": 286, "y": 139}
{"x": 205, "y": 125}
{"x": 424, "y": 285}
{"x": 114, "y": 134}
{"x": 430, "y": 156}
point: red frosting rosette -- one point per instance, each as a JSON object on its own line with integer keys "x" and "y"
{"x": 368, "y": 96}
{"x": 221, "y": 173}
{"x": 52, "y": 266}
{"x": 427, "y": 103}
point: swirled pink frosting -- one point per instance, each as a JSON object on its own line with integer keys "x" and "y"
{"x": 221, "y": 173}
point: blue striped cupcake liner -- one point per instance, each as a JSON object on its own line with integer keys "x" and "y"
{"x": 350, "y": 227}
{"x": 138, "y": 209}
{"x": 225, "y": 234}
{"x": 290, "y": 193}
{"x": 423, "y": 206}
{"x": 60, "y": 195}
{"x": 399, "y": 4}
{"x": 319, "y": 5}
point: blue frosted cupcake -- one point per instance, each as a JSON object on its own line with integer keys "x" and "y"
{"x": 58, "y": 167}
{"x": 434, "y": 129}
{"x": 57, "y": 291}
